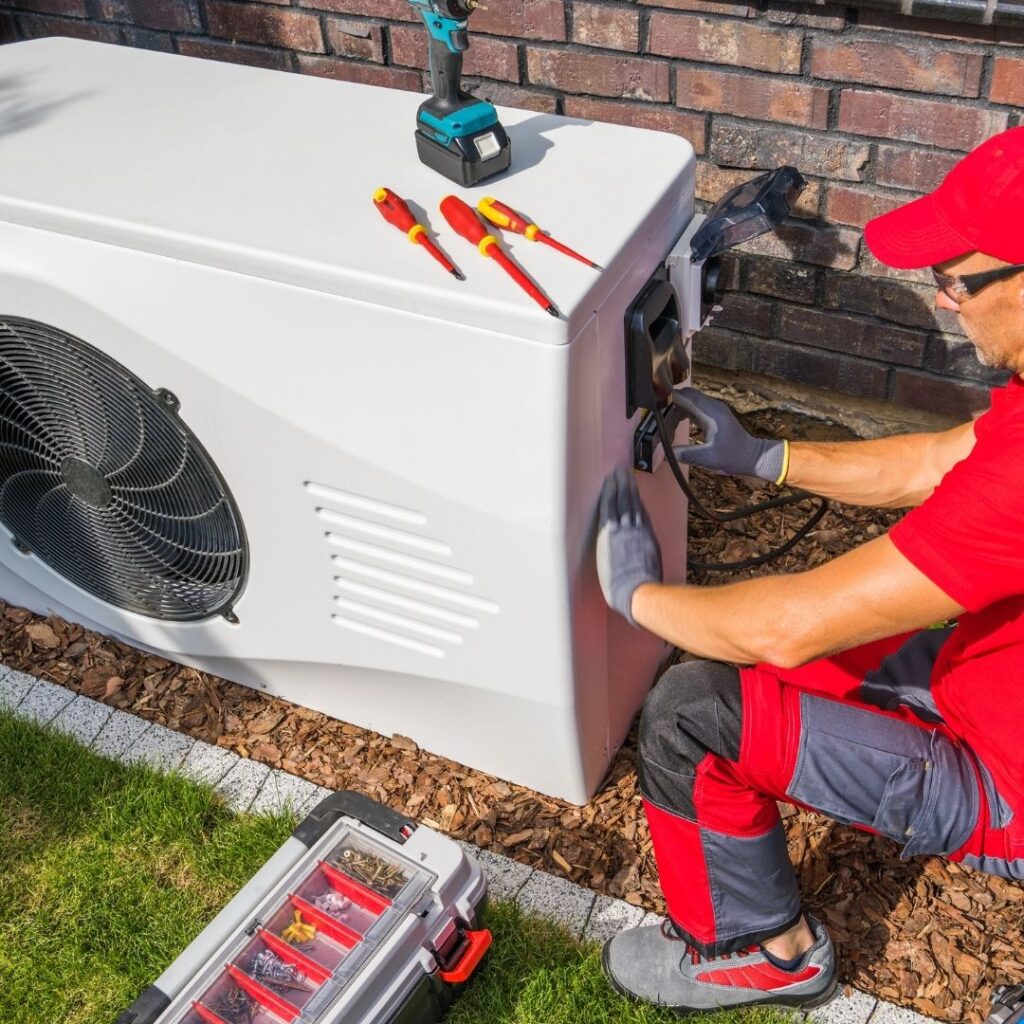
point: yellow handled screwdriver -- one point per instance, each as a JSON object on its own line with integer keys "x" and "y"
{"x": 507, "y": 218}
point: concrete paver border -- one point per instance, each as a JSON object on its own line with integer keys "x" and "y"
{"x": 251, "y": 786}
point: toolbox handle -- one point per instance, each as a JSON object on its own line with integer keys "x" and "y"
{"x": 477, "y": 944}
{"x": 347, "y": 803}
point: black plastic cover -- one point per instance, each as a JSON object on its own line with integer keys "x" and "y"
{"x": 751, "y": 209}
{"x": 374, "y": 815}
{"x": 146, "y": 1009}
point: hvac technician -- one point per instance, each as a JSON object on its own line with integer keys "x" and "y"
{"x": 847, "y": 703}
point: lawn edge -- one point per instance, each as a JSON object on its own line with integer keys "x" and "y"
{"x": 249, "y": 786}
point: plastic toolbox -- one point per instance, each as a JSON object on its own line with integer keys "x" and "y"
{"x": 362, "y": 916}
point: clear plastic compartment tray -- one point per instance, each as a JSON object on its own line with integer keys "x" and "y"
{"x": 307, "y": 946}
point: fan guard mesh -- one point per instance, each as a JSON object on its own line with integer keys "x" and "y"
{"x": 102, "y": 481}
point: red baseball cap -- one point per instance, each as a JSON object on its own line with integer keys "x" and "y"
{"x": 979, "y": 207}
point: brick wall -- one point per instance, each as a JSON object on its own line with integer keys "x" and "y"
{"x": 871, "y": 105}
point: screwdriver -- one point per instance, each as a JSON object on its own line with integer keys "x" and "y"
{"x": 507, "y": 218}
{"x": 395, "y": 211}
{"x": 465, "y": 222}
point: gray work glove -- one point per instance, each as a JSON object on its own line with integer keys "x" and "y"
{"x": 627, "y": 550}
{"x": 727, "y": 447}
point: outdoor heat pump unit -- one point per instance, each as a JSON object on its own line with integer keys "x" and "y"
{"x": 245, "y": 425}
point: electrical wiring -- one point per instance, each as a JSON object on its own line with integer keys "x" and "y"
{"x": 744, "y": 512}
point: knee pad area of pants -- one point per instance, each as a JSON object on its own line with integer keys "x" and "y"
{"x": 694, "y": 708}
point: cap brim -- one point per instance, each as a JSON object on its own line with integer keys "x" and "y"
{"x": 914, "y": 236}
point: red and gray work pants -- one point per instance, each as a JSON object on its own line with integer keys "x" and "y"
{"x": 856, "y": 737}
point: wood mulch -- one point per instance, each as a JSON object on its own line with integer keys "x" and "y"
{"x": 923, "y": 933}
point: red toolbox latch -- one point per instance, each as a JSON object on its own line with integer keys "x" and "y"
{"x": 460, "y": 953}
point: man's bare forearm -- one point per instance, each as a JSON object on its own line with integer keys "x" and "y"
{"x": 787, "y": 620}
{"x": 891, "y": 472}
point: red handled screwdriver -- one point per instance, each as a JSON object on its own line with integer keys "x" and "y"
{"x": 507, "y": 218}
{"x": 465, "y": 222}
{"x": 395, "y": 211}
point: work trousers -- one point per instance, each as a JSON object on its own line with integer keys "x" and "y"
{"x": 856, "y": 737}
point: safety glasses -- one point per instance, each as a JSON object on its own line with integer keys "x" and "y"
{"x": 960, "y": 288}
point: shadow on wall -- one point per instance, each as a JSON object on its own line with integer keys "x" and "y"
{"x": 825, "y": 312}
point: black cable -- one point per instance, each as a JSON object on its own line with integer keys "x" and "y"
{"x": 741, "y": 513}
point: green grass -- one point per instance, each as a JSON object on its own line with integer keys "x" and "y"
{"x": 108, "y": 872}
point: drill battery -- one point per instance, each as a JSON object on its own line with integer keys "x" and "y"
{"x": 361, "y": 916}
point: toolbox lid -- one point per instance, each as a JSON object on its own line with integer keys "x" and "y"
{"x": 272, "y": 175}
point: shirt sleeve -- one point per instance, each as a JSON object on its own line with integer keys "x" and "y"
{"x": 968, "y": 537}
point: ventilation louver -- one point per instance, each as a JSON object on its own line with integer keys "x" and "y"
{"x": 101, "y": 479}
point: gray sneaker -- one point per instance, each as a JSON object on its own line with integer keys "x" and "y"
{"x": 655, "y": 965}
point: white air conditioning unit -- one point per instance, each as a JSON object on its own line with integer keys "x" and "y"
{"x": 244, "y": 424}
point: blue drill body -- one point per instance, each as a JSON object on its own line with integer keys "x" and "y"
{"x": 457, "y": 134}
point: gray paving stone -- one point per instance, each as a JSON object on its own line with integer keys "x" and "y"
{"x": 44, "y": 702}
{"x": 855, "y": 1008}
{"x": 558, "y": 899}
{"x": 83, "y": 719}
{"x": 321, "y": 793}
{"x": 504, "y": 877}
{"x": 283, "y": 793}
{"x": 160, "y": 748}
{"x": 242, "y": 784}
{"x": 208, "y": 764}
{"x": 121, "y": 732}
{"x": 609, "y": 917}
{"x": 13, "y": 687}
{"x": 889, "y": 1013}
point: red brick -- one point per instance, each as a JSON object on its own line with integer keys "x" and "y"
{"x": 66, "y": 8}
{"x": 162, "y": 15}
{"x": 917, "y": 68}
{"x": 897, "y": 300}
{"x": 144, "y": 39}
{"x": 764, "y": 147}
{"x": 35, "y": 26}
{"x": 658, "y": 119}
{"x": 523, "y": 19}
{"x": 613, "y": 28}
{"x": 502, "y": 94}
{"x": 704, "y": 7}
{"x": 750, "y": 314}
{"x": 251, "y": 23}
{"x": 713, "y": 182}
{"x": 366, "y": 74}
{"x": 919, "y": 170}
{"x": 826, "y": 246}
{"x": 933, "y": 122}
{"x": 1007, "y": 82}
{"x": 871, "y": 267}
{"x": 856, "y": 206}
{"x": 814, "y": 367}
{"x": 938, "y": 394}
{"x": 829, "y": 19}
{"x": 778, "y": 100}
{"x": 355, "y": 39}
{"x": 782, "y": 279}
{"x": 598, "y": 74}
{"x": 389, "y": 10}
{"x": 737, "y": 43}
{"x": 855, "y": 336}
{"x": 486, "y": 57}
{"x": 254, "y": 56}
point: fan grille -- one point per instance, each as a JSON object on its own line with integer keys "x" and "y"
{"x": 101, "y": 480}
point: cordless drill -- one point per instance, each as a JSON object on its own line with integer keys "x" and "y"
{"x": 457, "y": 135}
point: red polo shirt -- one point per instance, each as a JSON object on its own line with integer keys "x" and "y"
{"x": 968, "y": 538}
